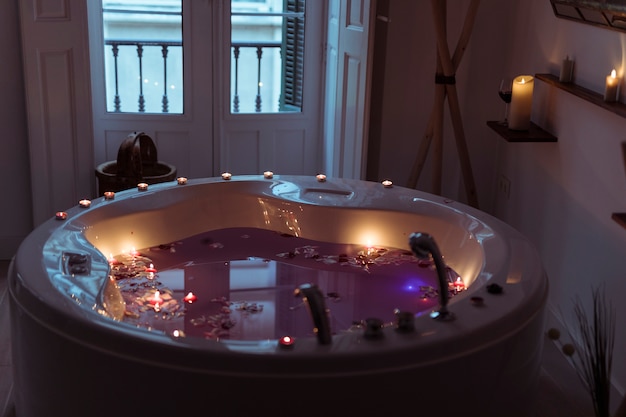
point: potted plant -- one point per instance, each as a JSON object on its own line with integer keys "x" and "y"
{"x": 593, "y": 336}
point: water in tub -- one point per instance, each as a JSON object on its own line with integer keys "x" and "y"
{"x": 239, "y": 283}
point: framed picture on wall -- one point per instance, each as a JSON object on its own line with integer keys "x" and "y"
{"x": 610, "y": 14}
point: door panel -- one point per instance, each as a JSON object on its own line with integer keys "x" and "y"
{"x": 56, "y": 75}
{"x": 281, "y": 150}
{"x": 346, "y": 103}
{"x": 183, "y": 140}
{"x": 291, "y": 142}
{"x": 285, "y": 143}
{"x": 177, "y": 149}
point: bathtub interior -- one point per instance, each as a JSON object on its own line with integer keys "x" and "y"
{"x": 357, "y": 213}
{"x": 365, "y": 216}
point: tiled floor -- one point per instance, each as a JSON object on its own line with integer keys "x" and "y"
{"x": 561, "y": 394}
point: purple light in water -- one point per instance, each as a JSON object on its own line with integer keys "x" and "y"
{"x": 414, "y": 285}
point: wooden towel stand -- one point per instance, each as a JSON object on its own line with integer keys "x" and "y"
{"x": 445, "y": 86}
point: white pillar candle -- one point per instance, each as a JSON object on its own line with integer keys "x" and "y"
{"x": 521, "y": 102}
{"x": 567, "y": 70}
{"x": 612, "y": 84}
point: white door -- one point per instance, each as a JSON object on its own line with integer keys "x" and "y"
{"x": 208, "y": 135}
{"x": 347, "y": 86}
{"x": 58, "y": 104}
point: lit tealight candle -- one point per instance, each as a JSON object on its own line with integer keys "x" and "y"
{"x": 387, "y": 184}
{"x": 112, "y": 260}
{"x": 178, "y": 333}
{"x": 84, "y": 203}
{"x": 60, "y": 215}
{"x": 226, "y": 176}
{"x": 109, "y": 195}
{"x": 268, "y": 174}
{"x": 190, "y": 297}
{"x": 286, "y": 342}
{"x": 142, "y": 186}
{"x": 612, "y": 86}
{"x": 181, "y": 180}
{"x": 151, "y": 269}
{"x": 321, "y": 177}
{"x": 459, "y": 285}
{"x": 156, "y": 299}
{"x": 521, "y": 102}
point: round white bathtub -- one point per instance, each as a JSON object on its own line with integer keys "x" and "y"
{"x": 75, "y": 352}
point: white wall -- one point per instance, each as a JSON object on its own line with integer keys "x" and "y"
{"x": 15, "y": 206}
{"x": 562, "y": 194}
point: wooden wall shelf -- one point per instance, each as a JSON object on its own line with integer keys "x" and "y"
{"x": 584, "y": 93}
{"x": 533, "y": 134}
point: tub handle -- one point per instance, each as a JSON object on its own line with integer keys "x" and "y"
{"x": 405, "y": 321}
{"x": 373, "y": 328}
{"x": 423, "y": 246}
{"x": 314, "y": 300}
{"x": 76, "y": 263}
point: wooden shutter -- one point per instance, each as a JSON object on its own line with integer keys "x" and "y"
{"x": 293, "y": 57}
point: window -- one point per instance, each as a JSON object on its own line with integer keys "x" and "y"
{"x": 143, "y": 56}
{"x": 267, "y": 44}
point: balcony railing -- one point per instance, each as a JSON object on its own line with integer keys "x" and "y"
{"x": 236, "y": 49}
{"x": 252, "y": 72}
{"x": 139, "y": 46}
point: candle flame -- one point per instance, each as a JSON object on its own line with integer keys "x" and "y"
{"x": 156, "y": 299}
{"x": 613, "y": 74}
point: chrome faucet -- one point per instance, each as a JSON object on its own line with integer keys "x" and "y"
{"x": 314, "y": 300}
{"x": 423, "y": 245}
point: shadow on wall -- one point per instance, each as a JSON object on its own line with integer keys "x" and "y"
{"x": 579, "y": 249}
